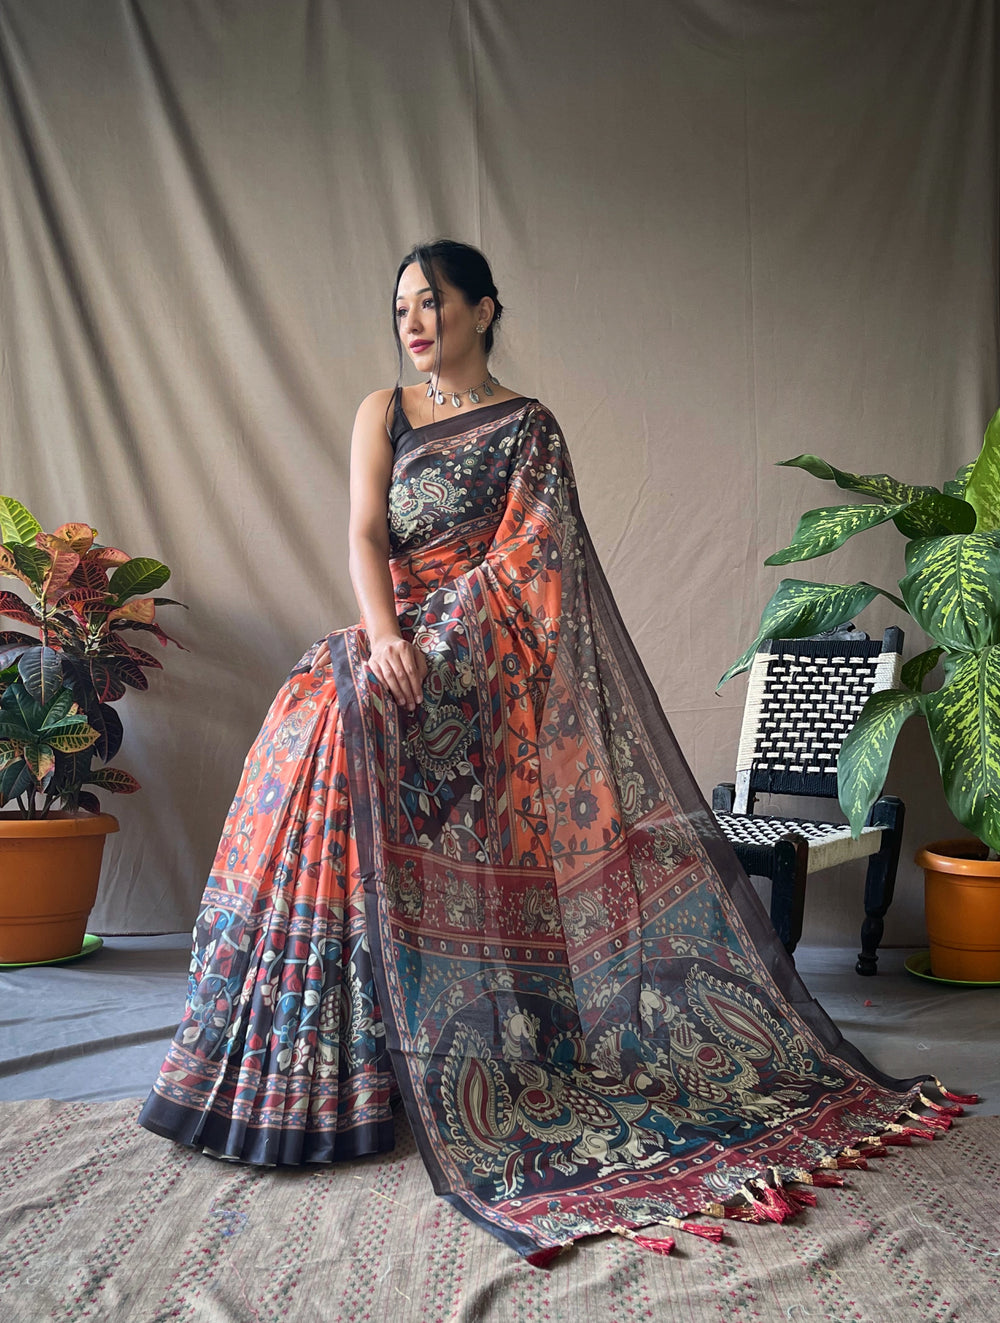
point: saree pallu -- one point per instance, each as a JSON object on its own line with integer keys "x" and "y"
{"x": 512, "y": 904}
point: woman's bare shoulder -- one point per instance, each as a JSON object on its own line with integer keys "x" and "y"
{"x": 376, "y": 400}
{"x": 373, "y": 415}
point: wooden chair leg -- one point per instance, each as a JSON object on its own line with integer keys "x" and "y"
{"x": 723, "y": 797}
{"x": 880, "y": 882}
{"x": 788, "y": 889}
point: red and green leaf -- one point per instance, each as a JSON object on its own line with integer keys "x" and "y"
{"x": 79, "y": 537}
{"x": 141, "y": 610}
{"x": 40, "y": 759}
{"x": 114, "y": 779}
{"x": 106, "y": 557}
{"x": 16, "y": 608}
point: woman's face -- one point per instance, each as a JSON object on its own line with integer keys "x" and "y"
{"x": 420, "y": 325}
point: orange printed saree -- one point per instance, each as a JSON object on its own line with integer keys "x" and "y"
{"x": 513, "y": 905}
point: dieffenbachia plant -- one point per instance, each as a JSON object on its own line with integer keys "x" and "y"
{"x": 56, "y": 690}
{"x": 951, "y": 588}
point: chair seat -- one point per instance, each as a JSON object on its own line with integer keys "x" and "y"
{"x": 829, "y": 843}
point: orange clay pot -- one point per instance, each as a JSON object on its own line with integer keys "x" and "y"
{"x": 49, "y": 871}
{"x": 962, "y": 907}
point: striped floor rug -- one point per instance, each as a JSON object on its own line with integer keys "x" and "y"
{"x": 100, "y": 1220}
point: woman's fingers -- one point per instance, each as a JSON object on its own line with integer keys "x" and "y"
{"x": 401, "y": 668}
{"x": 389, "y": 680}
{"x": 412, "y": 676}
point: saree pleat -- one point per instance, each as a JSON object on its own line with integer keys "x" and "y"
{"x": 280, "y": 1056}
{"x": 516, "y": 895}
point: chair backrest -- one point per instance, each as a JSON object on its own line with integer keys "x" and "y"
{"x": 803, "y": 697}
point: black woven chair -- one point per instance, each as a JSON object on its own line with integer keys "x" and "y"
{"x": 802, "y": 699}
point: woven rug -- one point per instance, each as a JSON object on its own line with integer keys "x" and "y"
{"x": 101, "y": 1220}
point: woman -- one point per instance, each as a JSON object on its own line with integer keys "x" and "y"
{"x": 467, "y": 860}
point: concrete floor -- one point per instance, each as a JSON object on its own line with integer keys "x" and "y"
{"x": 99, "y": 1028}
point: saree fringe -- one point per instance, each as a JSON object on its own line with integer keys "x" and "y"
{"x": 513, "y": 906}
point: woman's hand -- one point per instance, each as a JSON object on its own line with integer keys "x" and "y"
{"x": 399, "y": 667}
{"x": 322, "y": 657}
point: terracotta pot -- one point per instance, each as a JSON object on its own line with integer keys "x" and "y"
{"x": 49, "y": 871}
{"x": 962, "y": 907}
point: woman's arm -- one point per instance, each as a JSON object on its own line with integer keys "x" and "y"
{"x": 397, "y": 664}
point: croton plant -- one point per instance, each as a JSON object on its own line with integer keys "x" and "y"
{"x": 58, "y": 728}
{"x": 951, "y": 588}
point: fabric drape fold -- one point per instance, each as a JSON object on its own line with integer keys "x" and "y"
{"x": 588, "y": 1016}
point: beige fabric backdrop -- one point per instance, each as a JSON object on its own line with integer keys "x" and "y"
{"x": 726, "y": 231}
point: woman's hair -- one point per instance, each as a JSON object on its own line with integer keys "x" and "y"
{"x": 461, "y": 265}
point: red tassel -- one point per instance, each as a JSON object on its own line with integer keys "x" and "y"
{"x": 826, "y": 1180}
{"x": 931, "y": 1119}
{"x": 846, "y": 1162}
{"x": 771, "y": 1204}
{"x": 697, "y": 1229}
{"x": 970, "y": 1099}
{"x": 908, "y": 1130}
{"x": 541, "y": 1258}
{"x": 734, "y": 1212}
{"x": 658, "y": 1246}
{"x": 875, "y": 1150}
{"x": 782, "y": 1193}
{"x": 943, "y": 1108}
{"x": 897, "y": 1140}
{"x": 804, "y": 1197}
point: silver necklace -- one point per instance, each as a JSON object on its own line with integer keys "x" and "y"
{"x": 456, "y": 395}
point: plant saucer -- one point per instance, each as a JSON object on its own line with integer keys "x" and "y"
{"x": 920, "y": 964}
{"x": 91, "y": 943}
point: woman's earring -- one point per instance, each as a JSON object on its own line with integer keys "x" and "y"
{"x": 480, "y": 328}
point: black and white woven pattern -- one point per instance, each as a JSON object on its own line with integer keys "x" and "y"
{"x": 803, "y": 706}
{"x": 829, "y": 843}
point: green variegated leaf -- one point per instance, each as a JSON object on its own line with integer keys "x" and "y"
{"x": 21, "y": 705}
{"x": 138, "y": 577}
{"x": 58, "y": 710}
{"x": 32, "y": 564}
{"x": 799, "y": 609}
{"x": 15, "y": 779}
{"x": 982, "y": 491}
{"x": 929, "y": 512}
{"x": 952, "y": 588}
{"x": 40, "y": 760}
{"x": 73, "y": 741}
{"x": 964, "y": 721}
{"x": 958, "y": 484}
{"x": 115, "y": 779}
{"x": 41, "y": 671}
{"x": 822, "y": 531}
{"x": 918, "y": 668}
{"x": 10, "y": 751}
{"x": 17, "y": 524}
{"x": 863, "y": 762}
{"x": 74, "y": 725}
{"x": 934, "y": 515}
{"x": 879, "y": 485}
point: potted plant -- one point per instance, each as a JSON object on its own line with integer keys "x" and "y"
{"x": 57, "y": 721}
{"x": 951, "y": 588}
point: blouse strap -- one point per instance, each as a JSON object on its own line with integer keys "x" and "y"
{"x": 397, "y": 414}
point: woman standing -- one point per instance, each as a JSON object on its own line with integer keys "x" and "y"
{"x": 467, "y": 860}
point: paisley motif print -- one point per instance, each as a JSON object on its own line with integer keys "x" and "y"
{"x": 513, "y": 903}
